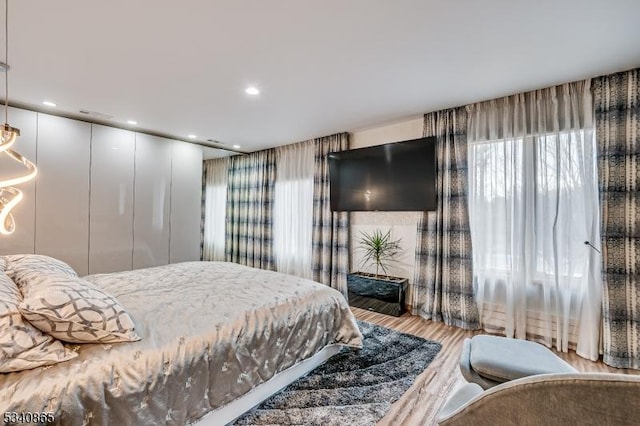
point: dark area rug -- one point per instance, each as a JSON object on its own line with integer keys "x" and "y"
{"x": 355, "y": 387}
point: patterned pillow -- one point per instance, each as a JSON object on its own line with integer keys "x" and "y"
{"x": 23, "y": 267}
{"x": 22, "y": 346}
{"x": 74, "y": 310}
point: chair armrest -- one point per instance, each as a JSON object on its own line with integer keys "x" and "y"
{"x": 465, "y": 361}
{"x": 467, "y": 371}
{"x": 459, "y": 399}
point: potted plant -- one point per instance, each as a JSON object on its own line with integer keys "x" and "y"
{"x": 379, "y": 249}
{"x": 377, "y": 292}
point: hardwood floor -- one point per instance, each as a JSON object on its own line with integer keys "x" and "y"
{"x": 421, "y": 403}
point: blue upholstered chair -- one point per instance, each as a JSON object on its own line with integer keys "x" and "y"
{"x": 491, "y": 360}
{"x": 516, "y": 382}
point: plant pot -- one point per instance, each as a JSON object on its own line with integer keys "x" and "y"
{"x": 379, "y": 293}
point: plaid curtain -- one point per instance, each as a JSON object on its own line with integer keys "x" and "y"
{"x": 442, "y": 288}
{"x": 617, "y": 104}
{"x": 248, "y": 225}
{"x": 330, "y": 238}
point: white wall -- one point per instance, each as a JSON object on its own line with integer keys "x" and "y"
{"x": 403, "y": 225}
{"x": 101, "y": 193}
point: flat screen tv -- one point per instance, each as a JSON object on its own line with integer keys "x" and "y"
{"x": 398, "y": 176}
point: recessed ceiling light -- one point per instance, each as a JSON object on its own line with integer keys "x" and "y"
{"x": 192, "y": 136}
{"x": 251, "y": 90}
{"x": 48, "y": 103}
{"x": 236, "y": 146}
{"x": 132, "y": 122}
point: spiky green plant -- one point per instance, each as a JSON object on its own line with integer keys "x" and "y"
{"x": 378, "y": 248}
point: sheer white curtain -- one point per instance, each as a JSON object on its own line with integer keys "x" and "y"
{"x": 293, "y": 209}
{"x": 533, "y": 202}
{"x": 216, "y": 175}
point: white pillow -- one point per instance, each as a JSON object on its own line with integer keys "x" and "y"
{"x": 74, "y": 310}
{"x": 22, "y": 346}
{"x": 22, "y": 267}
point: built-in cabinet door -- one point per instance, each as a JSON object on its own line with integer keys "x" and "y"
{"x": 111, "y": 203}
{"x": 24, "y": 214}
{"x": 151, "y": 227}
{"x": 186, "y": 201}
{"x": 62, "y": 190}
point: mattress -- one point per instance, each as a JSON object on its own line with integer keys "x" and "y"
{"x": 211, "y": 331}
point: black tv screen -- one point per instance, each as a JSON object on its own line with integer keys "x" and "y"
{"x": 398, "y": 176}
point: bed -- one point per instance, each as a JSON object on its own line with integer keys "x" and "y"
{"x": 217, "y": 339}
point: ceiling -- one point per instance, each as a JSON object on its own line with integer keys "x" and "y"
{"x": 181, "y": 68}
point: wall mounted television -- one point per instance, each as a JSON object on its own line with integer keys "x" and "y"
{"x": 399, "y": 176}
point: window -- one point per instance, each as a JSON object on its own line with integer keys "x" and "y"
{"x": 533, "y": 186}
{"x": 215, "y": 208}
{"x": 293, "y": 209}
{"x": 533, "y": 202}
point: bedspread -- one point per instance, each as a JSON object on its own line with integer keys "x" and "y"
{"x": 211, "y": 331}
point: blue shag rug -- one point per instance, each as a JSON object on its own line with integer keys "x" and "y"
{"x": 355, "y": 387}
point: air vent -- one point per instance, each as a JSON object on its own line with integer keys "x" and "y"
{"x": 96, "y": 114}
{"x": 216, "y": 142}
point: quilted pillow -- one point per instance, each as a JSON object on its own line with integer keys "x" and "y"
{"x": 22, "y": 346}
{"x": 74, "y": 310}
{"x": 22, "y": 267}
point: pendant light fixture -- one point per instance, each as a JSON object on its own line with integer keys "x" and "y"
{"x": 10, "y": 196}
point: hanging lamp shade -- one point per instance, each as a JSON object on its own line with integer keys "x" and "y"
{"x": 8, "y": 136}
{"x": 10, "y": 196}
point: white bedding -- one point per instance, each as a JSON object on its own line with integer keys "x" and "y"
{"x": 211, "y": 332}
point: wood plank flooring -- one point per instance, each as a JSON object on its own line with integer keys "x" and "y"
{"x": 421, "y": 403}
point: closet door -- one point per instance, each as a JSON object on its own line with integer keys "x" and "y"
{"x": 152, "y": 201}
{"x": 111, "y": 202}
{"x": 62, "y": 190}
{"x": 186, "y": 200}
{"x": 24, "y": 214}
